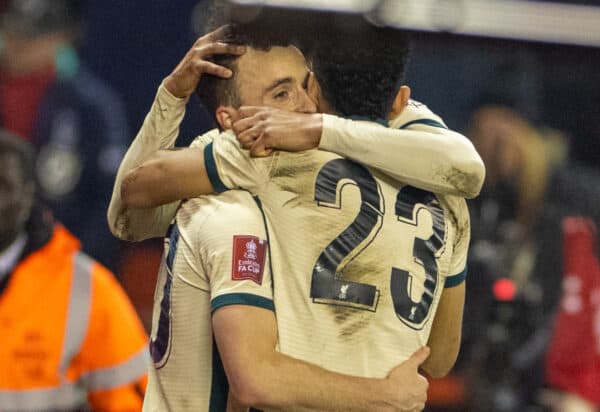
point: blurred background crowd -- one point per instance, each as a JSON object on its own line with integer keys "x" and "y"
{"x": 78, "y": 76}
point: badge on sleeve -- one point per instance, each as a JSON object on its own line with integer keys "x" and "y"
{"x": 249, "y": 254}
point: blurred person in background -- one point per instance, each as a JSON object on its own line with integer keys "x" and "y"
{"x": 70, "y": 337}
{"x": 520, "y": 251}
{"x": 75, "y": 122}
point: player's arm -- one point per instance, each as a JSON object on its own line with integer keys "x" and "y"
{"x": 159, "y": 131}
{"x": 236, "y": 263}
{"x": 260, "y": 376}
{"x": 167, "y": 176}
{"x": 182, "y": 174}
{"x": 418, "y": 149}
{"x": 446, "y": 330}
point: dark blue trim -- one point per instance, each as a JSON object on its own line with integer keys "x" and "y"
{"x": 211, "y": 169}
{"x": 455, "y": 280}
{"x": 219, "y": 385}
{"x": 173, "y": 235}
{"x": 428, "y": 122}
{"x": 264, "y": 217}
{"x": 369, "y": 119}
{"x": 241, "y": 299}
{"x": 160, "y": 344}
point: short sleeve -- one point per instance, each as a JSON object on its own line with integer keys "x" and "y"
{"x": 230, "y": 167}
{"x": 458, "y": 265}
{"x": 235, "y": 254}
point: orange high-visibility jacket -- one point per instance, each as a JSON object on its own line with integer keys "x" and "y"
{"x": 68, "y": 335}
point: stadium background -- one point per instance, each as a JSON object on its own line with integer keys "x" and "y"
{"x": 551, "y": 85}
{"x": 149, "y": 37}
{"x": 132, "y": 45}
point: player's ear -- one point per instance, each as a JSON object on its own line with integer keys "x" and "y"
{"x": 226, "y": 116}
{"x": 400, "y": 101}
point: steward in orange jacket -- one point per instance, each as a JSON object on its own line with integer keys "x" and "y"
{"x": 69, "y": 337}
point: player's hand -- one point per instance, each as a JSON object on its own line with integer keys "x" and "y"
{"x": 262, "y": 129}
{"x": 183, "y": 80}
{"x": 411, "y": 385}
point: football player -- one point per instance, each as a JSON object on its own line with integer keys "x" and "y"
{"x": 342, "y": 310}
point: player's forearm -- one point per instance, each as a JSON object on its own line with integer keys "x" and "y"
{"x": 266, "y": 379}
{"x": 446, "y": 331}
{"x": 284, "y": 383}
{"x": 168, "y": 176}
{"x": 140, "y": 189}
{"x": 159, "y": 131}
{"x": 429, "y": 158}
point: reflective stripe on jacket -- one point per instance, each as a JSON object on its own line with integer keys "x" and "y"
{"x": 68, "y": 330}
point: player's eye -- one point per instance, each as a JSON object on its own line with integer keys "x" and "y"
{"x": 281, "y": 95}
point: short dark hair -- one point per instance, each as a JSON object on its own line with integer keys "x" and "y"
{"x": 215, "y": 91}
{"x": 11, "y": 143}
{"x": 360, "y": 70}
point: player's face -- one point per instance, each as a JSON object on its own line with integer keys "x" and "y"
{"x": 276, "y": 78}
{"x": 15, "y": 197}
